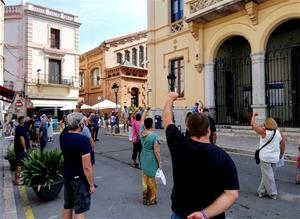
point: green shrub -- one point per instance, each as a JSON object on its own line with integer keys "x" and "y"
{"x": 10, "y": 154}
{"x": 42, "y": 169}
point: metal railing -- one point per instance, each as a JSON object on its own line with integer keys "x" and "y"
{"x": 283, "y": 85}
{"x": 56, "y": 79}
{"x": 198, "y": 5}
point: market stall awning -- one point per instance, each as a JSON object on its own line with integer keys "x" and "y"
{"x": 53, "y": 103}
{"x": 6, "y": 93}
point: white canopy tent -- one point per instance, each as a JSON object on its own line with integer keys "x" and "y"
{"x": 105, "y": 104}
{"x": 85, "y": 106}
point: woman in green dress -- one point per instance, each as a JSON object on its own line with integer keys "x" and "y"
{"x": 150, "y": 160}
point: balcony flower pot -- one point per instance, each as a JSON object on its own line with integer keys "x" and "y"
{"x": 43, "y": 172}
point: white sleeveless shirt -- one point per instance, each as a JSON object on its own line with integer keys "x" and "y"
{"x": 271, "y": 152}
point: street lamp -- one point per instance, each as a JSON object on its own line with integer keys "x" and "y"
{"x": 115, "y": 89}
{"x": 171, "y": 80}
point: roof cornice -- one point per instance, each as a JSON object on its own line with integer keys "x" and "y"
{"x": 50, "y": 18}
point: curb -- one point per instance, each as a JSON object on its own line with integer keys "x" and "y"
{"x": 289, "y": 158}
{"x": 8, "y": 197}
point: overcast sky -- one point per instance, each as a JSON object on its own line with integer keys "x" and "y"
{"x": 100, "y": 19}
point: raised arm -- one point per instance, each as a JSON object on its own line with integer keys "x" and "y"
{"x": 145, "y": 115}
{"x": 256, "y": 128}
{"x": 168, "y": 114}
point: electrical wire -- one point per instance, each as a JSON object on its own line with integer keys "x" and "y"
{"x": 8, "y": 49}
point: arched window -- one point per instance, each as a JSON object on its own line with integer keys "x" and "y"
{"x": 127, "y": 55}
{"x": 141, "y": 56}
{"x": 119, "y": 58}
{"x": 95, "y": 76}
{"x": 134, "y": 50}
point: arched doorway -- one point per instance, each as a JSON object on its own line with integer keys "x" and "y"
{"x": 135, "y": 96}
{"x": 283, "y": 74}
{"x": 233, "y": 82}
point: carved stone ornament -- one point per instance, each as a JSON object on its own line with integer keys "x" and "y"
{"x": 252, "y": 11}
{"x": 194, "y": 29}
{"x": 199, "y": 67}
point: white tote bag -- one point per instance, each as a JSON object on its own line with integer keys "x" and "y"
{"x": 160, "y": 174}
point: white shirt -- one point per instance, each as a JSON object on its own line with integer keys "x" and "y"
{"x": 271, "y": 152}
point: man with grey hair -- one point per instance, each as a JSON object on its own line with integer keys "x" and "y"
{"x": 78, "y": 170}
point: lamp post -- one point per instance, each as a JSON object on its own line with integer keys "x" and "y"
{"x": 171, "y": 80}
{"x": 115, "y": 89}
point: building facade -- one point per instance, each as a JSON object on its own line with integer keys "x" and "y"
{"x": 1, "y": 54}
{"x": 42, "y": 56}
{"x": 120, "y": 60}
{"x": 234, "y": 56}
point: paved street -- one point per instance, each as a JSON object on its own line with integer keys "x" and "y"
{"x": 119, "y": 191}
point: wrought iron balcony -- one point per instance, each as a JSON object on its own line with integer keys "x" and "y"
{"x": 202, "y": 11}
{"x": 43, "y": 79}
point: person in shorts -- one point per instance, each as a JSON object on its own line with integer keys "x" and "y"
{"x": 21, "y": 146}
{"x": 78, "y": 170}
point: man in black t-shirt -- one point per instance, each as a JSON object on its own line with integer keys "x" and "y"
{"x": 21, "y": 145}
{"x": 205, "y": 178}
{"x": 212, "y": 125}
{"x": 78, "y": 170}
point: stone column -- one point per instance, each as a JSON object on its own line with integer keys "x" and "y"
{"x": 258, "y": 86}
{"x": 209, "y": 86}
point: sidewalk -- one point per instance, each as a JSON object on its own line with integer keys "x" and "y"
{"x": 245, "y": 145}
{"x": 7, "y": 198}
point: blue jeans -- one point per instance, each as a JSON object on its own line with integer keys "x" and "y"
{"x": 175, "y": 216}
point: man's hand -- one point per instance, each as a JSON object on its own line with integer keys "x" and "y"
{"x": 92, "y": 189}
{"x": 196, "y": 215}
{"x": 173, "y": 96}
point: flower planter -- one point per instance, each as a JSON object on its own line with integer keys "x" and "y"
{"x": 46, "y": 194}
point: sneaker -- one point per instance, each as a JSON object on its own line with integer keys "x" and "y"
{"x": 260, "y": 194}
{"x": 274, "y": 197}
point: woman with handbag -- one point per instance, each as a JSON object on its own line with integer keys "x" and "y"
{"x": 271, "y": 149}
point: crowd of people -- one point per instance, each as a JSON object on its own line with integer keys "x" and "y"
{"x": 205, "y": 177}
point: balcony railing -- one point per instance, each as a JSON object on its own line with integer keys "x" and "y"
{"x": 12, "y": 10}
{"x": 43, "y": 79}
{"x": 202, "y": 11}
{"x": 17, "y": 9}
{"x": 197, "y": 5}
{"x": 177, "y": 26}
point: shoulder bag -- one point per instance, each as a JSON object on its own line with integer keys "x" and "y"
{"x": 256, "y": 155}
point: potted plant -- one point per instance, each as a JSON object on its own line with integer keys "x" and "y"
{"x": 43, "y": 172}
{"x": 11, "y": 157}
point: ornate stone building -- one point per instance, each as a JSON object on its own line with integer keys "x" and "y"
{"x": 235, "y": 56}
{"x": 42, "y": 56}
{"x": 120, "y": 60}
